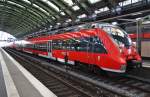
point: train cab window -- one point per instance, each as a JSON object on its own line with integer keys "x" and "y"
{"x": 118, "y": 35}
{"x": 107, "y": 29}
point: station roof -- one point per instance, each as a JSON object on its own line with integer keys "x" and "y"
{"x": 21, "y": 17}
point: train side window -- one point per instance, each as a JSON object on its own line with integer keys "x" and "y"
{"x": 30, "y": 46}
{"x": 37, "y": 47}
{"x": 72, "y": 44}
{"x": 68, "y": 44}
{"x": 82, "y": 44}
{"x": 58, "y": 46}
{"x": 63, "y": 45}
{"x": 55, "y": 45}
{"x": 59, "y": 42}
{"x": 89, "y": 41}
{"x": 98, "y": 46}
{"x": 76, "y": 44}
{"x": 44, "y": 47}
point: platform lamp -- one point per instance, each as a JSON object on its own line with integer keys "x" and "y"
{"x": 138, "y": 22}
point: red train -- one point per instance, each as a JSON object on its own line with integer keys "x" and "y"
{"x": 105, "y": 46}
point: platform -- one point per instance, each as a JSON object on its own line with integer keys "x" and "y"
{"x": 16, "y": 81}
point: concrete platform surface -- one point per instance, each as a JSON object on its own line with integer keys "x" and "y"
{"x": 18, "y": 81}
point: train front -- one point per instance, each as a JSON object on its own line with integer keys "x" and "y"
{"x": 126, "y": 46}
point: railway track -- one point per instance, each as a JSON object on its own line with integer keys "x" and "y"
{"x": 128, "y": 86}
{"x": 60, "y": 85}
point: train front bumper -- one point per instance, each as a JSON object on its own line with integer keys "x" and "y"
{"x": 135, "y": 63}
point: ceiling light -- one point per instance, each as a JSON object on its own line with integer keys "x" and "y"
{"x": 82, "y": 16}
{"x": 51, "y": 4}
{"x": 69, "y": 2}
{"x": 58, "y": 23}
{"x": 75, "y": 8}
{"x": 62, "y": 13}
{"x": 93, "y": 1}
{"x": 68, "y": 20}
{"x": 114, "y": 23}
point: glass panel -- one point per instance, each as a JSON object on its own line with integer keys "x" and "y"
{"x": 101, "y": 10}
{"x": 69, "y": 2}
{"x": 75, "y": 8}
{"x": 134, "y": 1}
{"x": 27, "y": 1}
{"x": 40, "y": 9}
{"x": 93, "y": 1}
{"x": 51, "y": 4}
{"x": 62, "y": 13}
{"x": 98, "y": 46}
{"x": 127, "y": 2}
{"x": 82, "y": 16}
{"x": 15, "y": 4}
{"x": 119, "y": 35}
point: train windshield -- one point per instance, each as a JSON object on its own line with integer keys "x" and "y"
{"x": 118, "y": 34}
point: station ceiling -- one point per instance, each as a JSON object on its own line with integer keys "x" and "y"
{"x": 21, "y": 17}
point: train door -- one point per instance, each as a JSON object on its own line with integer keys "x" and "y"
{"x": 94, "y": 52}
{"x": 90, "y": 51}
{"x": 49, "y": 48}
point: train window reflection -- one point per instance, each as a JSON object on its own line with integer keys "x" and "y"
{"x": 119, "y": 35}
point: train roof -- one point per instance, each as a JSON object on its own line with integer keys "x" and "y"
{"x": 71, "y": 29}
